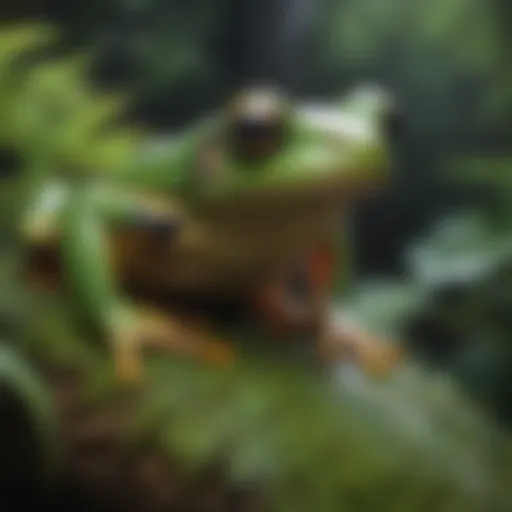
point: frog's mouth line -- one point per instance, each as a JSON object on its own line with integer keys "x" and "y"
{"x": 266, "y": 201}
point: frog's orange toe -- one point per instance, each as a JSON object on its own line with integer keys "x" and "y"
{"x": 376, "y": 357}
{"x": 219, "y": 354}
{"x": 128, "y": 366}
{"x": 380, "y": 360}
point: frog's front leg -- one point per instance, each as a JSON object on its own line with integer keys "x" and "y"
{"x": 340, "y": 340}
{"x": 146, "y": 329}
{"x": 91, "y": 277}
{"x": 162, "y": 331}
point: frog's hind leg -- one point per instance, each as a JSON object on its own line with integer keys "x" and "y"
{"x": 336, "y": 339}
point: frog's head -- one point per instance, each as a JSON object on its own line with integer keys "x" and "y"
{"x": 282, "y": 154}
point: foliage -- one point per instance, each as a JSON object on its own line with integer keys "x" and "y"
{"x": 53, "y": 123}
{"x": 50, "y": 112}
{"x": 370, "y": 27}
{"x": 463, "y": 268}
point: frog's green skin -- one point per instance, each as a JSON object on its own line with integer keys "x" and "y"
{"x": 236, "y": 221}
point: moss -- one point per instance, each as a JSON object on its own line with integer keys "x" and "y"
{"x": 284, "y": 428}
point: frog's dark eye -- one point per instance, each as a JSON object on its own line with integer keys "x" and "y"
{"x": 257, "y": 124}
{"x": 256, "y": 138}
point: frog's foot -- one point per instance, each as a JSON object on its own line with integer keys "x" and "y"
{"x": 127, "y": 360}
{"x": 163, "y": 333}
{"x": 375, "y": 356}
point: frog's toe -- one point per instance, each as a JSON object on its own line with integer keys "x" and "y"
{"x": 375, "y": 356}
{"x": 379, "y": 359}
{"x": 128, "y": 365}
{"x": 173, "y": 336}
{"x": 218, "y": 354}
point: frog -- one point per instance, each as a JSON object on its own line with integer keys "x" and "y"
{"x": 243, "y": 205}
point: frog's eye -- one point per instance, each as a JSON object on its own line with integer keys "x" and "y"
{"x": 257, "y": 124}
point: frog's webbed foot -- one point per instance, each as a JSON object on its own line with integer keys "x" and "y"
{"x": 339, "y": 341}
{"x": 160, "y": 332}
